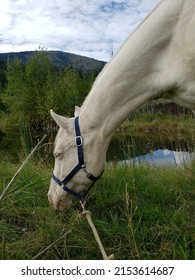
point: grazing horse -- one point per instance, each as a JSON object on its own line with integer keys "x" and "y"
{"x": 158, "y": 58}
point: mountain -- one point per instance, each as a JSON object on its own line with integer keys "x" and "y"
{"x": 60, "y": 60}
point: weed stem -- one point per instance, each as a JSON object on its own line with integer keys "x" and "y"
{"x": 21, "y": 167}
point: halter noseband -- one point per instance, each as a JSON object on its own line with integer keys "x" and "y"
{"x": 80, "y": 166}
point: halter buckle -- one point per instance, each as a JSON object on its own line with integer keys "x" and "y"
{"x": 79, "y": 141}
{"x": 83, "y": 166}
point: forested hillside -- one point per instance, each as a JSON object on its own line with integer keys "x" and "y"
{"x": 28, "y": 91}
{"x": 58, "y": 59}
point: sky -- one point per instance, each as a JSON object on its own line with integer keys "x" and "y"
{"x": 93, "y": 28}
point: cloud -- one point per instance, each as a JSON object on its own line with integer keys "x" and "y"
{"x": 111, "y": 6}
{"x": 85, "y": 27}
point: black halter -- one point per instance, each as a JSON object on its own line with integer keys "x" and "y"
{"x": 79, "y": 166}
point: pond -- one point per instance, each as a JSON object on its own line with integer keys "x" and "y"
{"x": 125, "y": 148}
{"x": 162, "y": 158}
{"x": 151, "y": 148}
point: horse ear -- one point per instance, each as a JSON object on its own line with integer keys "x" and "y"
{"x": 60, "y": 120}
{"x": 77, "y": 111}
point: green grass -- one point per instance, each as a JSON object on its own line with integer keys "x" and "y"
{"x": 140, "y": 212}
{"x": 160, "y": 123}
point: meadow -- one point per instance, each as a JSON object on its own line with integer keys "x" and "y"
{"x": 141, "y": 212}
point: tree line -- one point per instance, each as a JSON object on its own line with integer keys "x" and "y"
{"x": 28, "y": 92}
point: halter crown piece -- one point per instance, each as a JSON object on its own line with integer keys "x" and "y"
{"x": 80, "y": 166}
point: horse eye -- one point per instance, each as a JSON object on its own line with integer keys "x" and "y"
{"x": 57, "y": 155}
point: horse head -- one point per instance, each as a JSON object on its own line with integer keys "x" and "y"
{"x": 79, "y": 160}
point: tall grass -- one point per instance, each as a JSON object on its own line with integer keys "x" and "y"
{"x": 26, "y": 138}
{"x": 140, "y": 212}
{"x": 161, "y": 123}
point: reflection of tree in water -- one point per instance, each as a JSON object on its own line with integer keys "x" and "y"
{"x": 125, "y": 146}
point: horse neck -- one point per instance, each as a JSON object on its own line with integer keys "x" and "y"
{"x": 137, "y": 73}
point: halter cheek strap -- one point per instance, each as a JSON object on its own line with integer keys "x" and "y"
{"x": 80, "y": 166}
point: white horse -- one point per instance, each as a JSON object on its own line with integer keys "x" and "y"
{"x": 157, "y": 58}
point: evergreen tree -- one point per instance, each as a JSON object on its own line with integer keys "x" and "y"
{"x": 2, "y": 84}
{"x": 32, "y": 90}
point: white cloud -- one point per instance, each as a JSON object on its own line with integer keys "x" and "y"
{"x": 85, "y": 27}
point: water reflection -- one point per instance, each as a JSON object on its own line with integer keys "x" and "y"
{"x": 125, "y": 148}
{"x": 162, "y": 157}
{"x": 153, "y": 149}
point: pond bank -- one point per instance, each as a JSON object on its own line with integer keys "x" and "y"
{"x": 139, "y": 135}
{"x": 159, "y": 123}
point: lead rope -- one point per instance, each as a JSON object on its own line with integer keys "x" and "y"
{"x": 88, "y": 216}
